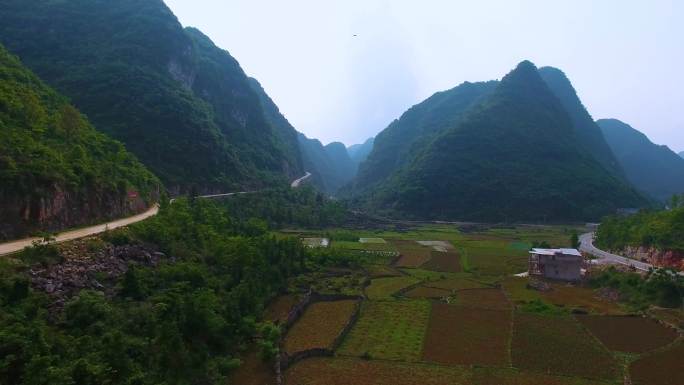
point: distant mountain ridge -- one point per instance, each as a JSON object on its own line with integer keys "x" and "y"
{"x": 510, "y": 152}
{"x": 56, "y": 170}
{"x": 402, "y": 141}
{"x": 330, "y": 165}
{"x": 359, "y": 152}
{"x": 655, "y": 170}
{"x": 181, "y": 104}
{"x": 681, "y": 154}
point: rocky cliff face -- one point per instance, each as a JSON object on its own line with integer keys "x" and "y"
{"x": 60, "y": 208}
{"x": 661, "y": 258}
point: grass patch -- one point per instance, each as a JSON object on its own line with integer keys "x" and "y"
{"x": 427, "y": 292}
{"x": 383, "y": 288}
{"x": 392, "y": 330}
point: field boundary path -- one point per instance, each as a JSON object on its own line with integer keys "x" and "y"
{"x": 604, "y": 257}
{"x": 12, "y": 247}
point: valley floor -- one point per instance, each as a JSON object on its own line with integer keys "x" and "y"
{"x": 435, "y": 305}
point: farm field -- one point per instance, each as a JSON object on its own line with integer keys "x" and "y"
{"x": 459, "y": 335}
{"x": 629, "y": 334}
{"x": 412, "y": 254}
{"x": 392, "y": 330}
{"x": 661, "y": 368}
{"x": 319, "y": 326}
{"x": 383, "y": 288}
{"x": 559, "y": 345}
{"x": 462, "y": 317}
{"x": 493, "y": 299}
{"x": 446, "y": 261}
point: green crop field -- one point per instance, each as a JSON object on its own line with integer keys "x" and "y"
{"x": 392, "y": 330}
{"x": 383, "y": 288}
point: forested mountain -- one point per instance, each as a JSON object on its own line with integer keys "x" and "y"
{"x": 56, "y": 169}
{"x": 359, "y": 152}
{"x": 182, "y": 105}
{"x": 330, "y": 165}
{"x": 653, "y": 169}
{"x": 403, "y": 139}
{"x": 513, "y": 155}
{"x": 588, "y": 133}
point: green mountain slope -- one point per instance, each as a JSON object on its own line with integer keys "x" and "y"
{"x": 283, "y": 130}
{"x": 513, "y": 156}
{"x": 182, "y": 105}
{"x": 653, "y": 169}
{"x": 397, "y": 144}
{"x": 56, "y": 169}
{"x": 588, "y": 133}
{"x": 359, "y": 152}
{"x": 330, "y": 165}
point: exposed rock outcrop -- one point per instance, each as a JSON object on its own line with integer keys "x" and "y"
{"x": 661, "y": 258}
{"x": 89, "y": 264}
{"x": 57, "y": 208}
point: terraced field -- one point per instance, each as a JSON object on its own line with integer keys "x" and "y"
{"x": 460, "y": 317}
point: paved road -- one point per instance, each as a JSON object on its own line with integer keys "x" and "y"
{"x": 297, "y": 182}
{"x": 604, "y": 257}
{"x": 18, "y": 245}
{"x": 14, "y": 246}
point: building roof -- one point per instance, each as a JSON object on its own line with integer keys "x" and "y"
{"x": 574, "y": 252}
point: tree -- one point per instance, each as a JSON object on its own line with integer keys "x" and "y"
{"x": 574, "y": 240}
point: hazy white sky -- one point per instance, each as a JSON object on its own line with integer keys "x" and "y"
{"x": 624, "y": 57}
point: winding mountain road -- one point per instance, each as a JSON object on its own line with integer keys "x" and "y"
{"x": 18, "y": 245}
{"x": 297, "y": 182}
{"x": 604, "y": 257}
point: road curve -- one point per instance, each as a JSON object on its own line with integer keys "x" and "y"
{"x": 297, "y": 182}
{"x": 604, "y": 257}
{"x": 15, "y": 246}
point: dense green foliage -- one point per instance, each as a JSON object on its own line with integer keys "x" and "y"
{"x": 663, "y": 230}
{"x": 182, "y": 105}
{"x": 47, "y": 147}
{"x": 513, "y": 156}
{"x": 301, "y": 207}
{"x": 400, "y": 143}
{"x": 660, "y": 287}
{"x": 180, "y": 323}
{"x": 655, "y": 170}
{"x": 588, "y": 133}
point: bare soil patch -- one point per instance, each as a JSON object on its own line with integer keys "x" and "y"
{"x": 412, "y": 254}
{"x": 460, "y": 335}
{"x": 253, "y": 371}
{"x": 628, "y": 334}
{"x": 444, "y": 262}
{"x": 344, "y": 371}
{"x": 559, "y": 345}
{"x": 661, "y": 368}
{"x": 483, "y": 298}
